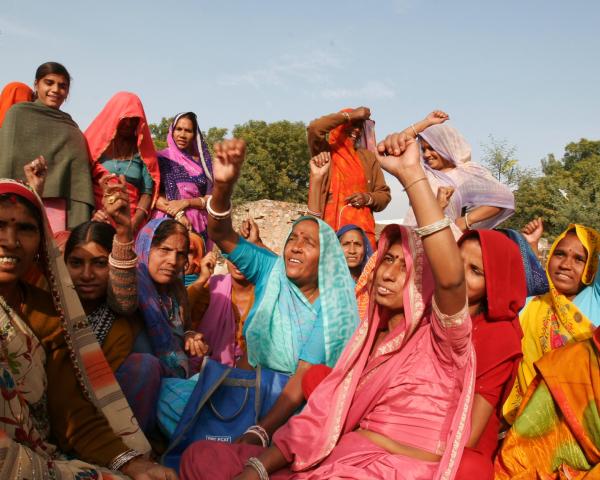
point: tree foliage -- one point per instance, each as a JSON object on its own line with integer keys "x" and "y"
{"x": 566, "y": 191}
{"x": 499, "y": 157}
{"x": 277, "y": 158}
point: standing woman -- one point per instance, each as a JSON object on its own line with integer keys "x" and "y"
{"x": 120, "y": 143}
{"x": 31, "y": 129}
{"x": 186, "y": 175}
{"x": 346, "y": 182}
{"x": 14, "y": 92}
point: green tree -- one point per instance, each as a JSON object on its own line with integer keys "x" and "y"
{"x": 500, "y": 159}
{"x": 277, "y": 161}
{"x": 159, "y": 132}
{"x": 214, "y": 135}
{"x": 566, "y": 192}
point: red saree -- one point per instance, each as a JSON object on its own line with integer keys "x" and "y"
{"x": 14, "y": 92}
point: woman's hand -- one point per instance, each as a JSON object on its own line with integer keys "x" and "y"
{"x": 100, "y": 216}
{"x": 228, "y": 160}
{"x": 207, "y": 266}
{"x": 36, "y": 172}
{"x": 320, "y": 164}
{"x": 444, "y": 194}
{"x": 533, "y": 232}
{"x": 358, "y": 200}
{"x": 195, "y": 345}
{"x": 394, "y": 144}
{"x": 175, "y": 206}
{"x": 249, "y": 439}
{"x": 396, "y": 165}
{"x": 142, "y": 469}
{"x": 436, "y": 117}
{"x": 360, "y": 113}
{"x": 115, "y": 200}
{"x": 250, "y": 231}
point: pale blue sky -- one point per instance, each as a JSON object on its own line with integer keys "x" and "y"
{"x": 526, "y": 70}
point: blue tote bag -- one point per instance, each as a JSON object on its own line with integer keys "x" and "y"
{"x": 224, "y": 403}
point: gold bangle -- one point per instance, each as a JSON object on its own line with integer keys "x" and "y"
{"x": 414, "y": 130}
{"x": 416, "y": 181}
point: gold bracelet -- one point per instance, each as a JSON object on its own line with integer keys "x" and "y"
{"x": 146, "y": 213}
{"x": 416, "y": 181}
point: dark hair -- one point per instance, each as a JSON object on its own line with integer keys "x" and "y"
{"x": 31, "y": 208}
{"x": 191, "y": 116}
{"x": 99, "y": 232}
{"x": 50, "y": 68}
{"x": 166, "y": 229}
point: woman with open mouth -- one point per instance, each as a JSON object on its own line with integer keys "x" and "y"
{"x": 569, "y": 312}
{"x": 56, "y": 382}
{"x": 396, "y": 400}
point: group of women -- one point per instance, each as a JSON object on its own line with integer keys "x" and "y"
{"x": 410, "y": 356}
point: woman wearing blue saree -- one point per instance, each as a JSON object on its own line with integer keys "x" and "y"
{"x": 304, "y": 310}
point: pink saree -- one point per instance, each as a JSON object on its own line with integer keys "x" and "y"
{"x": 322, "y": 441}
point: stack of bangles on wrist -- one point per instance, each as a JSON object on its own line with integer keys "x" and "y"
{"x": 180, "y": 214}
{"x": 122, "y": 255}
{"x": 314, "y": 214}
{"x": 258, "y": 467}
{"x": 261, "y": 433}
{"x": 217, "y": 215}
{"x": 142, "y": 209}
{"x": 433, "y": 227}
{"x": 467, "y": 224}
{"x": 120, "y": 460}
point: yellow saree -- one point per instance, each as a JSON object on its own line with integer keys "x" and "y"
{"x": 551, "y": 320}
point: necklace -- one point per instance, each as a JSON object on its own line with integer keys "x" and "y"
{"x": 170, "y": 310}
{"x": 312, "y": 296}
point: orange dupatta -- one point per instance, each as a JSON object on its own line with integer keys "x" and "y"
{"x": 347, "y": 177}
{"x": 103, "y": 130}
{"x": 14, "y": 92}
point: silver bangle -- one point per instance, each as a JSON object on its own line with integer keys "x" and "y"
{"x": 314, "y": 214}
{"x": 258, "y": 467}
{"x": 261, "y": 433}
{"x": 467, "y": 221}
{"x": 122, "y": 264}
{"x": 217, "y": 215}
{"x": 414, "y": 130}
{"x": 433, "y": 227}
{"x": 120, "y": 460}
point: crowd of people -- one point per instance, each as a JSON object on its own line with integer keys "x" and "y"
{"x": 443, "y": 349}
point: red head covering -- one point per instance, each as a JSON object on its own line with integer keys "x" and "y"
{"x": 12, "y": 93}
{"x": 103, "y": 130}
{"x": 347, "y": 177}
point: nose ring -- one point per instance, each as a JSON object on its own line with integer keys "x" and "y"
{"x": 18, "y": 243}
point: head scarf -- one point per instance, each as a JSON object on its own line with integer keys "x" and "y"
{"x": 96, "y": 377}
{"x": 367, "y": 244}
{"x": 165, "y": 337}
{"x": 473, "y": 184}
{"x": 347, "y": 177}
{"x": 14, "y": 92}
{"x": 196, "y": 244}
{"x": 103, "y": 130}
{"x": 184, "y": 177}
{"x": 283, "y": 320}
{"x": 339, "y": 388}
{"x": 551, "y": 320}
{"x": 537, "y": 281}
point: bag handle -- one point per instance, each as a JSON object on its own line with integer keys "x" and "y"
{"x": 235, "y": 414}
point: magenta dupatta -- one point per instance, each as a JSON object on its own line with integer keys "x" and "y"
{"x": 339, "y": 403}
{"x": 218, "y": 323}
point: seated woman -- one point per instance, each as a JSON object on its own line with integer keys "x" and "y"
{"x": 567, "y": 313}
{"x": 56, "y": 382}
{"x": 304, "y": 308}
{"x": 346, "y": 182}
{"x": 477, "y": 199}
{"x": 555, "y": 435}
{"x": 162, "y": 248}
{"x": 186, "y": 175}
{"x": 14, "y": 92}
{"x": 101, "y": 262}
{"x": 356, "y": 247}
{"x": 120, "y": 143}
{"x": 496, "y": 289}
{"x": 397, "y": 398}
{"x": 54, "y": 135}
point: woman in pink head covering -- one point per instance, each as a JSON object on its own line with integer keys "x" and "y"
{"x": 397, "y": 403}
{"x": 468, "y": 192}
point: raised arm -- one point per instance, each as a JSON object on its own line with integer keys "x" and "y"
{"x": 440, "y": 246}
{"x": 319, "y": 169}
{"x": 227, "y": 164}
{"x": 318, "y": 129}
{"x": 396, "y": 143}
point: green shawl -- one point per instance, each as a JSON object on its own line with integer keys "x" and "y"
{"x": 31, "y": 129}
